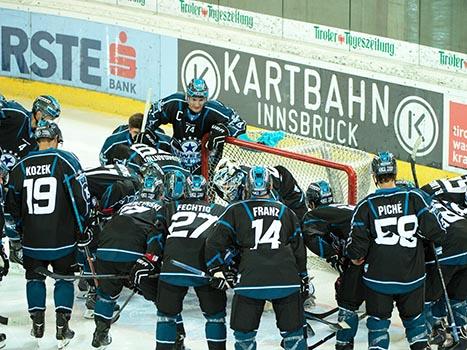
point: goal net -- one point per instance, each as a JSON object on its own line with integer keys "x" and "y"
{"x": 347, "y": 170}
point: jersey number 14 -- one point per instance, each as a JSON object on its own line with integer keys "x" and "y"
{"x": 271, "y": 235}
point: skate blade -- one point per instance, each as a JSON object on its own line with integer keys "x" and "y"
{"x": 61, "y": 344}
{"x": 2, "y": 344}
{"x": 89, "y": 314}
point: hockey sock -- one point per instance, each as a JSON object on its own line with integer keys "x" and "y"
{"x": 439, "y": 310}
{"x": 294, "y": 340}
{"x": 459, "y": 310}
{"x": 245, "y": 340}
{"x": 347, "y": 336}
{"x": 216, "y": 332}
{"x": 63, "y": 296}
{"x": 166, "y": 331}
{"x": 35, "y": 293}
{"x": 378, "y": 335}
{"x": 105, "y": 305}
{"x": 416, "y": 332}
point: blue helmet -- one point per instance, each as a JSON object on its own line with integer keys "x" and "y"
{"x": 319, "y": 193}
{"x": 197, "y": 88}
{"x": 196, "y": 187}
{"x": 48, "y": 130}
{"x": 259, "y": 181}
{"x": 174, "y": 185}
{"x": 152, "y": 186}
{"x": 384, "y": 163}
{"x": 47, "y": 105}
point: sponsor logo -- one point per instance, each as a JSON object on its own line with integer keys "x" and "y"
{"x": 200, "y": 64}
{"x": 217, "y": 14}
{"x": 457, "y": 135}
{"x": 451, "y": 60}
{"x": 122, "y": 63}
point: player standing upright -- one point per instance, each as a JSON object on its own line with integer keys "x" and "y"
{"x": 192, "y": 116}
{"x": 386, "y": 236}
{"x": 272, "y": 262}
{"x": 49, "y": 198}
{"x": 326, "y": 229}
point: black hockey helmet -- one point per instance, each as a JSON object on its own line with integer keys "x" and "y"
{"x": 259, "y": 182}
{"x": 48, "y": 130}
{"x": 174, "y": 185}
{"x": 319, "y": 193}
{"x": 384, "y": 163}
{"x": 196, "y": 187}
{"x": 47, "y": 105}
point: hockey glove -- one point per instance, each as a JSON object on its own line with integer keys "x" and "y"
{"x": 148, "y": 137}
{"x": 230, "y": 275}
{"x": 4, "y": 263}
{"x": 337, "y": 263}
{"x": 217, "y": 136}
{"x": 144, "y": 267}
{"x": 218, "y": 280}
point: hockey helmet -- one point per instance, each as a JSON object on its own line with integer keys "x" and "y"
{"x": 319, "y": 193}
{"x": 384, "y": 163}
{"x": 405, "y": 184}
{"x": 3, "y": 171}
{"x": 259, "y": 182}
{"x": 48, "y": 130}
{"x": 196, "y": 187}
{"x": 229, "y": 180}
{"x": 197, "y": 88}
{"x": 47, "y": 105}
{"x": 174, "y": 185}
{"x": 151, "y": 169}
{"x": 152, "y": 185}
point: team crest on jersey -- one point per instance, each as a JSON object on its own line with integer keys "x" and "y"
{"x": 9, "y": 159}
{"x": 189, "y": 152}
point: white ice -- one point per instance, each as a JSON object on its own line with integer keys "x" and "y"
{"x": 84, "y": 132}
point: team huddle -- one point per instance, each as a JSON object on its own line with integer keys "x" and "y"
{"x": 145, "y": 220}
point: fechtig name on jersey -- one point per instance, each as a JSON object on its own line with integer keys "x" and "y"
{"x": 194, "y": 207}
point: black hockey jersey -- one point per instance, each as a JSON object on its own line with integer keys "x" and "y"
{"x": 2, "y": 212}
{"x": 49, "y": 198}
{"x": 386, "y": 230}
{"x": 454, "y": 248}
{"x": 189, "y": 128}
{"x": 102, "y": 177}
{"x": 326, "y": 229}
{"x": 186, "y": 225}
{"x": 451, "y": 190}
{"x": 16, "y": 134}
{"x": 268, "y": 237}
{"x": 130, "y": 233}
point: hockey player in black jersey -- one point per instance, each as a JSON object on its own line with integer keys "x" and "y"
{"x": 230, "y": 181}
{"x": 388, "y": 227}
{"x": 453, "y": 262}
{"x": 186, "y": 224}
{"x": 325, "y": 230}
{"x": 4, "y": 262}
{"x": 17, "y": 126}
{"x": 116, "y": 146}
{"x": 272, "y": 262}
{"x": 49, "y": 198}
{"x": 128, "y": 236}
{"x": 192, "y": 116}
{"x": 452, "y": 190}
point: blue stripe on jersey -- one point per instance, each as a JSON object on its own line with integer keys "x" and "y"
{"x": 214, "y": 258}
{"x": 321, "y": 248}
{"x": 310, "y": 221}
{"x": 184, "y": 279}
{"x": 358, "y": 224}
{"x": 225, "y": 223}
{"x": 54, "y": 165}
{"x": 393, "y": 287}
{"x": 372, "y": 207}
{"x": 267, "y": 292}
{"x": 421, "y": 211}
{"x": 457, "y": 260}
{"x": 406, "y": 203}
{"x": 117, "y": 255}
{"x": 282, "y": 212}
{"x": 48, "y": 253}
{"x": 250, "y": 215}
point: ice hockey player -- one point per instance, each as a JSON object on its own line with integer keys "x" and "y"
{"x": 230, "y": 181}
{"x": 116, "y": 146}
{"x": 127, "y": 237}
{"x": 49, "y": 198}
{"x": 186, "y": 224}
{"x": 17, "y": 126}
{"x": 453, "y": 190}
{"x": 392, "y": 222}
{"x": 192, "y": 116}
{"x": 272, "y": 262}
{"x": 453, "y": 263}
{"x": 4, "y": 262}
{"x": 325, "y": 230}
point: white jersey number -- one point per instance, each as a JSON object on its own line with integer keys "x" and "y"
{"x": 271, "y": 235}
{"x": 406, "y": 227}
{"x": 185, "y": 218}
{"x": 43, "y": 189}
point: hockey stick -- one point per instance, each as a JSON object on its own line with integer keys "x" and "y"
{"x": 190, "y": 268}
{"x": 147, "y": 107}
{"x": 125, "y": 303}
{"x": 324, "y": 314}
{"x": 45, "y": 272}
{"x": 330, "y": 336}
{"x": 335, "y": 326}
{"x": 452, "y": 325}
